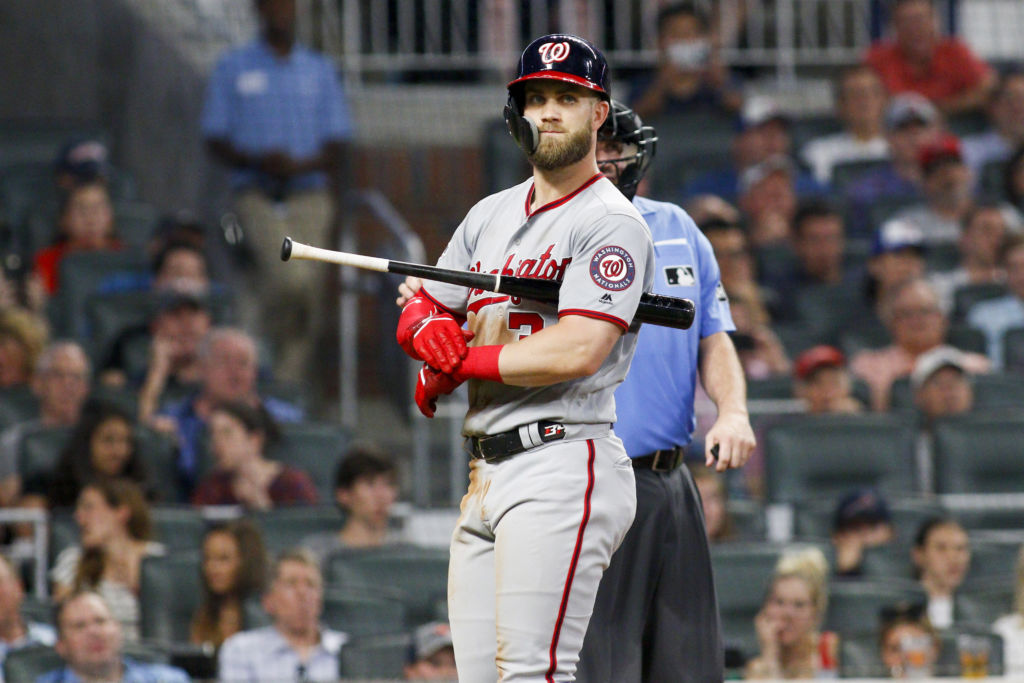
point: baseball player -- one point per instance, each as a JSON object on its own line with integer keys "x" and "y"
{"x": 551, "y": 491}
{"x": 656, "y": 616}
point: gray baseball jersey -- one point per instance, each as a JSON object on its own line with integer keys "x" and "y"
{"x": 596, "y": 243}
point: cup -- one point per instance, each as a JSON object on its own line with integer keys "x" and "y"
{"x": 974, "y": 651}
{"x": 916, "y": 649}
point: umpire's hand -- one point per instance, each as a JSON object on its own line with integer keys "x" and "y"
{"x": 733, "y": 439}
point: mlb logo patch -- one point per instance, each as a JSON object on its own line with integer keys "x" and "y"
{"x": 680, "y": 276}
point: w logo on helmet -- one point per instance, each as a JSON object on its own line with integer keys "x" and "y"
{"x": 553, "y": 52}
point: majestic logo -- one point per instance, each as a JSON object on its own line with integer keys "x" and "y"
{"x": 606, "y": 298}
{"x": 553, "y": 52}
{"x": 680, "y": 276}
{"x": 612, "y": 268}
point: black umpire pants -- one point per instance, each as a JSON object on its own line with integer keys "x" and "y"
{"x": 656, "y": 614}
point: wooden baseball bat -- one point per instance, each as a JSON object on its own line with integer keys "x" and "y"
{"x": 655, "y": 309}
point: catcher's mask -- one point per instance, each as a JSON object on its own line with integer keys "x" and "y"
{"x": 623, "y": 125}
{"x": 558, "y": 56}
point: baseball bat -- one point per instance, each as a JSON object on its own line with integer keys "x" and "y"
{"x": 655, "y": 309}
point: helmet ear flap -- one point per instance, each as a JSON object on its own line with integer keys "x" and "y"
{"x": 523, "y": 130}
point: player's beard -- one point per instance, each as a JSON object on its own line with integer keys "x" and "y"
{"x": 553, "y": 153}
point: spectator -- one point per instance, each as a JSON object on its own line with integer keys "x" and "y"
{"x": 61, "y": 383}
{"x": 862, "y": 520}
{"x": 714, "y": 502}
{"x": 233, "y": 571}
{"x": 908, "y": 643}
{"x": 179, "y": 264}
{"x": 276, "y": 115}
{"x": 90, "y": 641}
{"x": 823, "y": 383}
{"x": 228, "y": 372}
{"x": 239, "y": 434}
{"x": 1006, "y": 134}
{"x": 733, "y": 253}
{"x": 1013, "y": 180}
{"x": 114, "y": 524}
{"x": 916, "y": 324}
{"x": 941, "y": 383}
{"x": 897, "y": 255}
{"x": 948, "y": 192}
{"x": 81, "y": 160}
{"x": 910, "y": 122}
{"x": 941, "y": 556}
{"x": 982, "y": 233}
{"x": 918, "y": 59}
{"x": 102, "y": 445}
{"x": 768, "y": 200}
{"x": 15, "y": 631}
{"x": 85, "y": 223}
{"x": 295, "y": 646}
{"x": 432, "y": 655}
{"x": 705, "y": 209}
{"x": 860, "y": 105}
{"x": 995, "y": 316}
{"x": 690, "y": 74}
{"x": 787, "y": 625}
{"x": 365, "y": 488}
{"x": 1011, "y": 627}
{"x": 23, "y": 335}
{"x": 760, "y": 350}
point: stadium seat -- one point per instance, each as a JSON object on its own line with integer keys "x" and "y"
{"x": 135, "y": 222}
{"x": 159, "y": 452}
{"x": 179, "y": 528}
{"x": 169, "y": 593}
{"x": 17, "y": 404}
{"x": 314, "y": 448}
{"x": 993, "y": 561}
{"x": 823, "y": 455}
{"x": 80, "y": 273}
{"x": 417, "y": 576}
{"x": 812, "y": 518}
{"x": 37, "y": 609}
{"x": 966, "y": 296}
{"x": 363, "y": 613}
{"x": 979, "y": 454}
{"x": 966, "y": 338}
{"x": 110, "y": 314}
{"x": 984, "y": 603}
{"x": 859, "y": 656}
{"x": 780, "y": 387}
{"x": 856, "y": 604}
{"x": 284, "y": 528}
{"x": 991, "y": 179}
{"x": 826, "y": 309}
{"x": 40, "y": 451}
{"x": 1013, "y": 350}
{"x": 375, "y": 657}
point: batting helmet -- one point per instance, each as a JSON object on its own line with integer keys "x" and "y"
{"x": 561, "y": 57}
{"x": 624, "y": 125}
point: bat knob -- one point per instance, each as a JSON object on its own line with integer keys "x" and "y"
{"x": 286, "y": 249}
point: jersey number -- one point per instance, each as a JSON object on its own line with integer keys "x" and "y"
{"x": 525, "y": 324}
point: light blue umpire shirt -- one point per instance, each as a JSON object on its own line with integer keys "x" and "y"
{"x": 654, "y": 405}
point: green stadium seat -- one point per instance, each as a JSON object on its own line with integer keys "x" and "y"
{"x": 160, "y": 454}
{"x": 169, "y": 594}
{"x": 375, "y": 657}
{"x": 179, "y": 528}
{"x": 855, "y": 606}
{"x": 966, "y": 296}
{"x": 1013, "y": 350}
{"x": 847, "y": 172}
{"x": 859, "y": 657}
{"x": 417, "y": 576}
{"x": 315, "y": 448}
{"x": 812, "y": 518}
{"x": 80, "y": 274}
{"x": 966, "y": 338}
{"x": 363, "y": 613}
{"x": 823, "y": 455}
{"x": 40, "y": 451}
{"x": 984, "y": 603}
{"x": 979, "y": 454}
{"x": 17, "y": 404}
{"x": 991, "y": 180}
{"x": 949, "y": 662}
{"x": 284, "y": 528}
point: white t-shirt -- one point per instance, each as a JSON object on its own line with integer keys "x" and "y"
{"x": 1011, "y": 629}
{"x": 822, "y": 154}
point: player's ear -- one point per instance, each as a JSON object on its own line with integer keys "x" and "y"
{"x": 601, "y": 110}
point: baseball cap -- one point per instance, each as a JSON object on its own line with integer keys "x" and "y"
{"x": 760, "y": 109}
{"x": 910, "y": 108}
{"x": 896, "y": 234}
{"x": 430, "y": 638}
{"x": 753, "y": 175}
{"x": 86, "y": 159}
{"x": 935, "y": 152}
{"x": 861, "y": 506}
{"x": 932, "y": 361}
{"x": 822, "y": 356}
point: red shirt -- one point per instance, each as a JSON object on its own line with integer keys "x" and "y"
{"x": 290, "y": 486}
{"x": 954, "y": 69}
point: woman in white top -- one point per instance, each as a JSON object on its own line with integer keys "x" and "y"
{"x": 1011, "y": 626}
{"x": 942, "y": 556}
{"x": 113, "y": 519}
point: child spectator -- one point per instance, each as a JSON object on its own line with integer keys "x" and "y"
{"x": 431, "y": 654}
{"x": 907, "y": 642}
{"x": 941, "y": 383}
{"x": 823, "y": 382}
{"x": 234, "y": 569}
{"x": 239, "y": 435}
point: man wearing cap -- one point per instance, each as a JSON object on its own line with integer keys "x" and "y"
{"x": 861, "y": 520}
{"x": 997, "y": 316}
{"x": 432, "y": 655}
{"x": 81, "y": 160}
{"x": 910, "y": 122}
{"x": 919, "y": 59}
{"x": 823, "y": 383}
{"x": 1006, "y": 132}
{"x": 941, "y": 383}
{"x": 947, "y": 183}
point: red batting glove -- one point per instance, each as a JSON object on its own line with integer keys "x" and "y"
{"x": 429, "y": 385}
{"x": 429, "y": 335}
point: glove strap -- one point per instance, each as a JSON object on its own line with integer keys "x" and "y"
{"x": 481, "y": 363}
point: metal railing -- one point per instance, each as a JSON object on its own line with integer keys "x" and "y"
{"x": 40, "y": 521}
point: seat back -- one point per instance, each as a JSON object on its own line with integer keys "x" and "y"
{"x": 375, "y": 657}
{"x": 416, "y": 576}
{"x": 859, "y": 656}
{"x": 179, "y": 528}
{"x": 40, "y": 451}
{"x": 363, "y": 614}
{"x": 1013, "y": 350}
{"x": 979, "y": 454}
{"x": 828, "y": 455}
{"x": 854, "y": 606}
{"x": 169, "y": 594}
{"x": 951, "y": 653}
{"x": 80, "y": 274}
{"x": 813, "y": 517}
{"x": 316, "y": 449}
{"x": 847, "y": 172}
{"x": 966, "y": 296}
{"x": 284, "y": 528}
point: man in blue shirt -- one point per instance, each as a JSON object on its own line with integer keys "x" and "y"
{"x": 656, "y": 615}
{"x": 276, "y": 115}
{"x": 90, "y": 640}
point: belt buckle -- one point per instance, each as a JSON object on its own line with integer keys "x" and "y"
{"x": 665, "y": 460}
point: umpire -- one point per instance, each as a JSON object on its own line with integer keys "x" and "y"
{"x": 656, "y": 614}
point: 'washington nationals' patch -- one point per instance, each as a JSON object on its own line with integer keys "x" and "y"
{"x": 612, "y": 268}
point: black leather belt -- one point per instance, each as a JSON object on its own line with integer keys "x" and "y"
{"x": 664, "y": 460}
{"x": 498, "y": 446}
